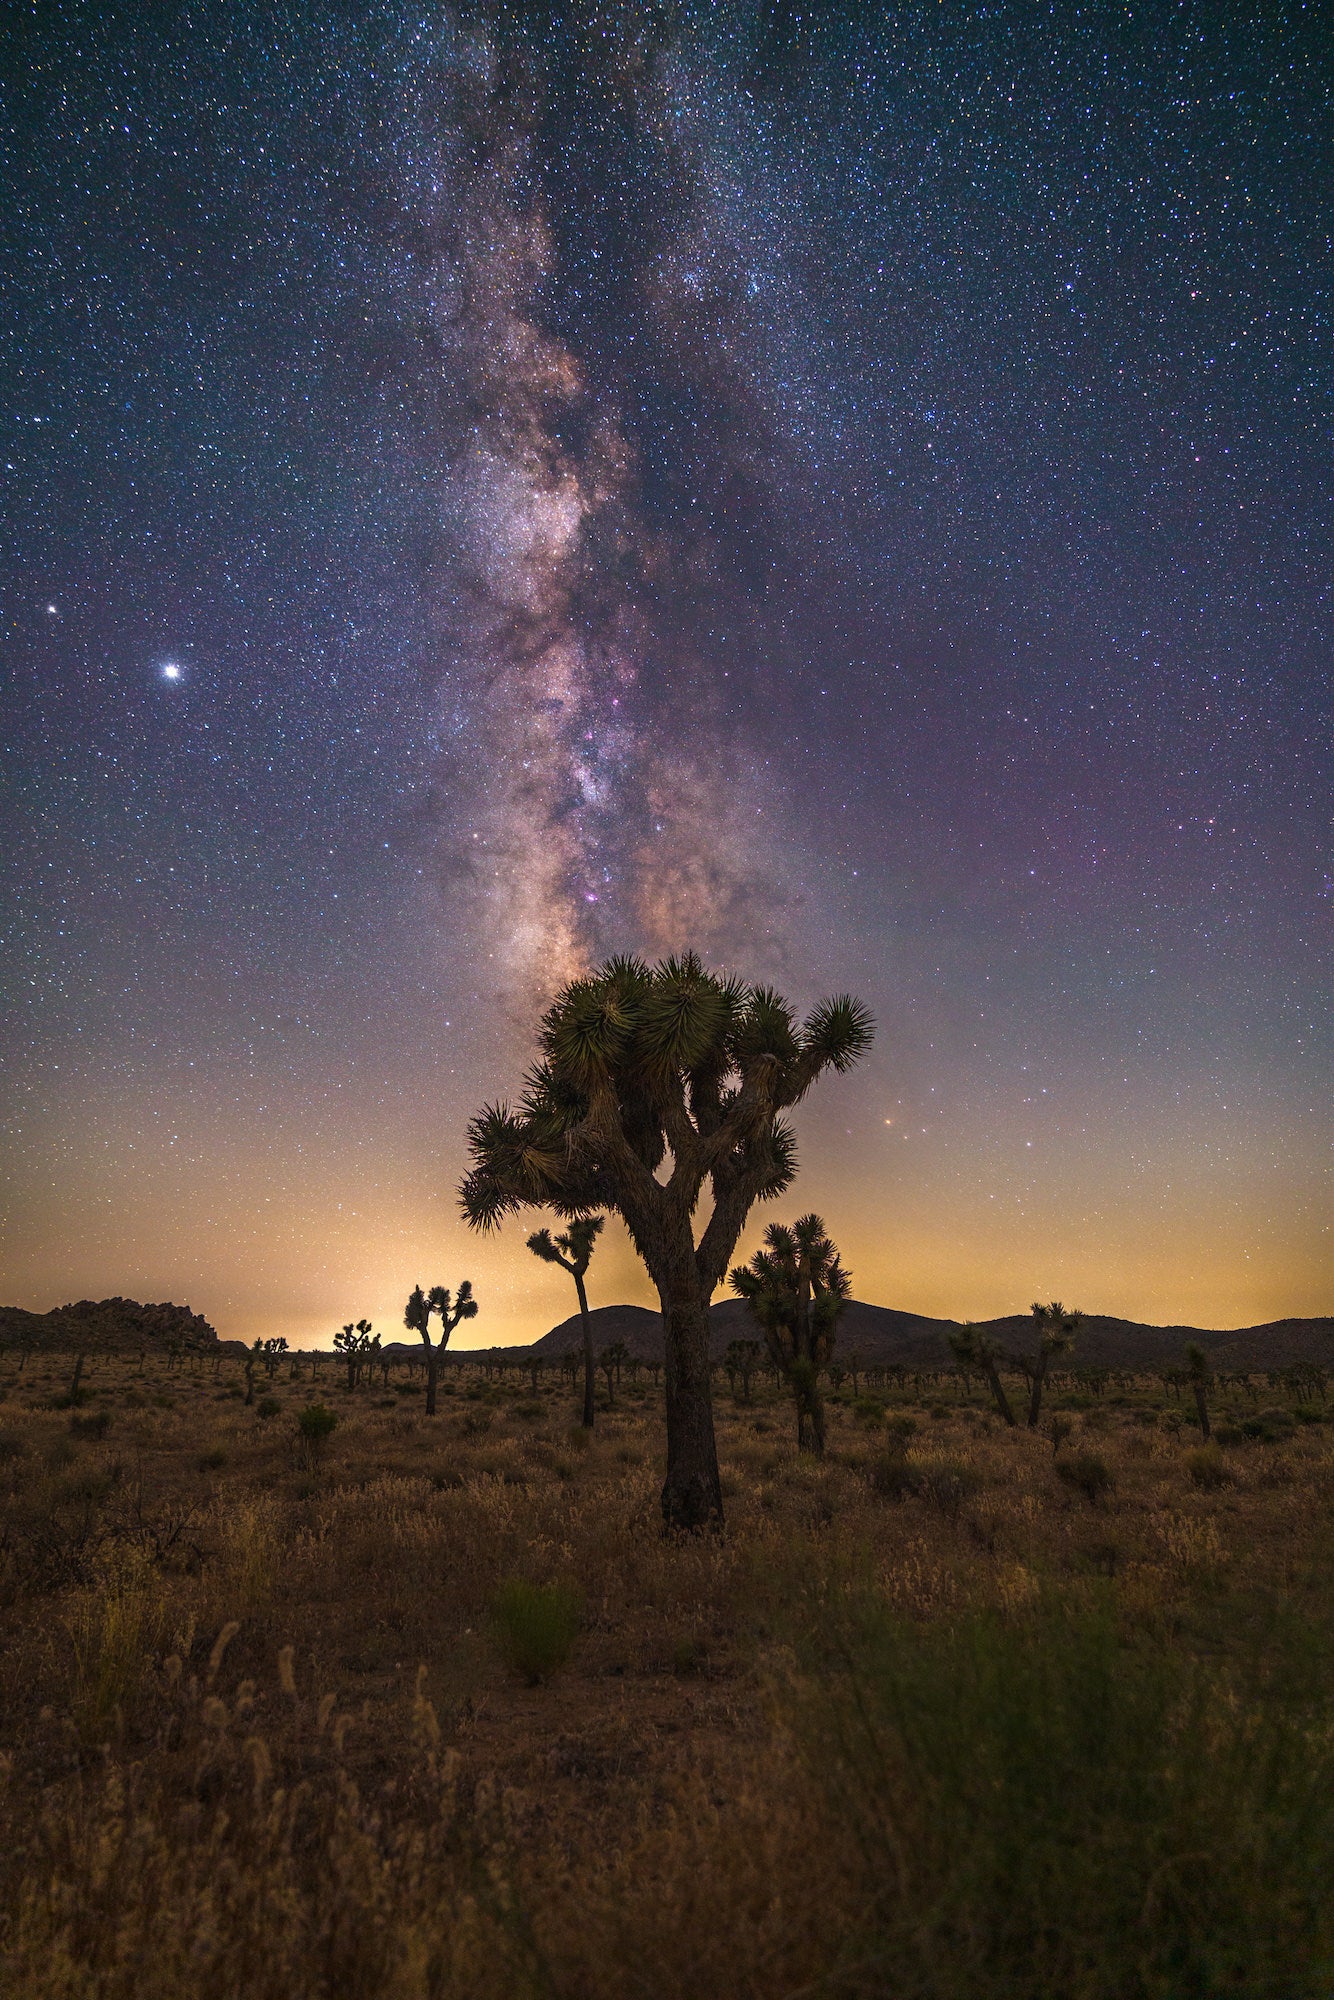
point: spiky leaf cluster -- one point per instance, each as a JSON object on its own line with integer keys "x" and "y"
{"x": 641, "y": 1065}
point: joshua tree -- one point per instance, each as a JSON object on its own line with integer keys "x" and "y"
{"x": 274, "y": 1350}
{"x": 796, "y": 1289}
{"x": 572, "y": 1250}
{"x": 638, "y": 1065}
{"x": 740, "y": 1360}
{"x": 607, "y": 1363}
{"x": 972, "y": 1348}
{"x": 355, "y": 1345}
{"x": 1056, "y": 1330}
{"x": 1200, "y": 1377}
{"x": 417, "y": 1317}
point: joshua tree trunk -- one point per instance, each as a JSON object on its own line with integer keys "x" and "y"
{"x": 78, "y": 1377}
{"x": 1035, "y": 1398}
{"x": 998, "y": 1391}
{"x": 432, "y": 1373}
{"x": 692, "y": 1494}
{"x": 1202, "y": 1405}
{"x": 590, "y": 1366}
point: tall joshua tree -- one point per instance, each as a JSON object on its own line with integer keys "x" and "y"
{"x": 796, "y": 1289}
{"x": 972, "y": 1348}
{"x": 417, "y": 1318}
{"x": 573, "y": 1250}
{"x": 1055, "y": 1328}
{"x": 665, "y": 1069}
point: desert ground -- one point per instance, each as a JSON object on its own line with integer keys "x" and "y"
{"x": 434, "y": 1708}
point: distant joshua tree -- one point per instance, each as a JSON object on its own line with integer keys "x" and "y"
{"x": 573, "y": 1251}
{"x": 1200, "y": 1376}
{"x": 355, "y": 1345}
{"x": 417, "y": 1317}
{"x": 1056, "y": 1329}
{"x": 661, "y": 1092}
{"x": 797, "y": 1288}
{"x": 972, "y": 1348}
{"x": 740, "y": 1361}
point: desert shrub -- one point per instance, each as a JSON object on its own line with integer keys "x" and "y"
{"x": 891, "y": 1476}
{"x": 536, "y": 1625}
{"x": 315, "y": 1426}
{"x": 944, "y": 1483}
{"x": 1061, "y": 1429}
{"x": 1309, "y": 1413}
{"x": 868, "y": 1410}
{"x": 11, "y": 1447}
{"x": 213, "y": 1461}
{"x": 578, "y": 1439}
{"x": 476, "y": 1421}
{"x": 902, "y": 1426}
{"x": 95, "y": 1425}
{"x": 268, "y": 1406}
{"x": 1229, "y": 1433}
{"x": 1089, "y": 1474}
{"x": 1045, "y": 1809}
{"x": 111, "y": 1629}
{"x": 1272, "y": 1426}
{"x": 1208, "y": 1468}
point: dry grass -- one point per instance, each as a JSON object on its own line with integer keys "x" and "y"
{"x": 261, "y": 1737}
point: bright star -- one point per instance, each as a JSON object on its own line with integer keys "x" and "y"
{"x": 171, "y": 672}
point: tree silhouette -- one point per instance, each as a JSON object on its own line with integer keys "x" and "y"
{"x": 972, "y": 1348}
{"x": 1200, "y": 1377}
{"x": 740, "y": 1359}
{"x": 417, "y": 1317}
{"x": 1056, "y": 1330}
{"x": 637, "y": 1066}
{"x": 573, "y": 1250}
{"x": 796, "y": 1289}
{"x": 355, "y": 1345}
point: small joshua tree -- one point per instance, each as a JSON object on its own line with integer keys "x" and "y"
{"x": 741, "y": 1359}
{"x": 417, "y": 1317}
{"x": 1056, "y": 1330}
{"x": 1200, "y": 1376}
{"x": 796, "y": 1289}
{"x": 573, "y": 1250}
{"x": 972, "y": 1348}
{"x": 355, "y": 1345}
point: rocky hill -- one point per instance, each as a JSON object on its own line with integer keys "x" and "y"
{"x": 106, "y": 1326}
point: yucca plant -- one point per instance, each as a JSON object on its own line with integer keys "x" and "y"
{"x": 643, "y": 1065}
{"x": 1056, "y": 1329}
{"x": 573, "y": 1251}
{"x": 972, "y": 1348}
{"x": 796, "y": 1288}
{"x": 452, "y": 1310}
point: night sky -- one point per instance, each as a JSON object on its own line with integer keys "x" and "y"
{"x": 844, "y": 487}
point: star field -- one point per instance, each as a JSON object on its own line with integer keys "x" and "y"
{"x": 846, "y": 488}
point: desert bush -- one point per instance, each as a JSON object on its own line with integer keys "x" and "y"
{"x": 867, "y": 1410}
{"x": 315, "y": 1426}
{"x": 111, "y": 1628}
{"x": 95, "y": 1425}
{"x": 1061, "y": 1429}
{"x": 944, "y": 1483}
{"x": 536, "y": 1625}
{"x": 268, "y": 1406}
{"x": 1089, "y": 1474}
{"x": 1208, "y": 1468}
{"x": 1273, "y": 1426}
{"x": 1044, "y": 1809}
